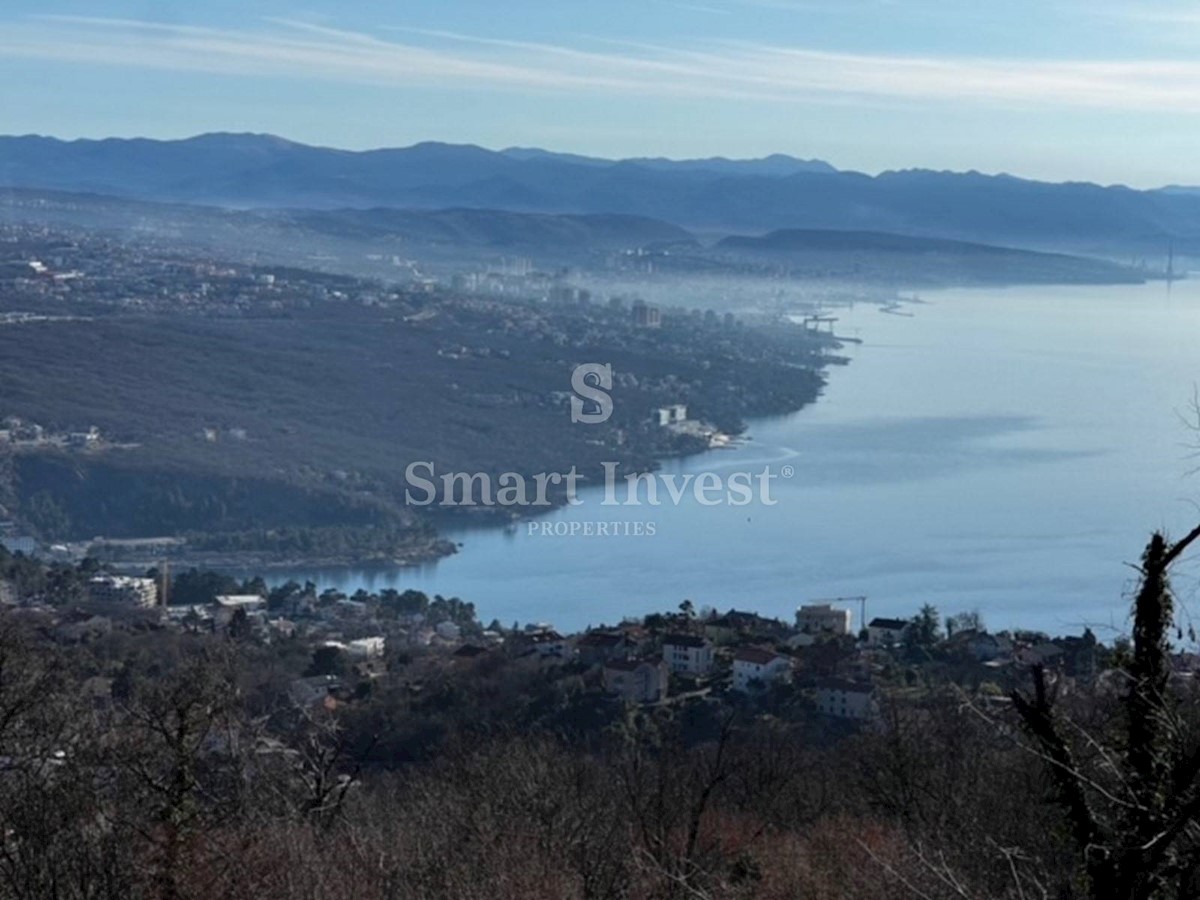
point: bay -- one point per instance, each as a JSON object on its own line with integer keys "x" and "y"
{"x": 1000, "y": 450}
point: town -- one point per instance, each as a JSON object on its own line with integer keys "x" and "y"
{"x": 345, "y": 649}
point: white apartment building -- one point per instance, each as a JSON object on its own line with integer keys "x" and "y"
{"x": 123, "y": 589}
{"x": 688, "y": 654}
{"x": 822, "y": 618}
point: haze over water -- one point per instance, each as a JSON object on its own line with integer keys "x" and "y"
{"x": 1001, "y": 450}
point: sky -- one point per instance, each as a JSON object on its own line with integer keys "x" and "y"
{"x": 1051, "y": 89}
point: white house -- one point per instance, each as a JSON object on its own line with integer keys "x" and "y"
{"x": 887, "y": 632}
{"x": 366, "y": 648}
{"x": 846, "y": 699}
{"x": 687, "y": 653}
{"x": 755, "y": 667}
{"x": 227, "y": 604}
{"x": 123, "y": 589}
{"x": 801, "y": 639}
{"x": 636, "y": 680}
{"x": 448, "y": 630}
{"x": 822, "y": 618}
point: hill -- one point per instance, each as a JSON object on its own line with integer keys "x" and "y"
{"x": 257, "y": 171}
{"x": 880, "y": 256}
{"x": 373, "y": 241}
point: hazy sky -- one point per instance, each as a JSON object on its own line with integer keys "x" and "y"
{"x": 1056, "y": 89}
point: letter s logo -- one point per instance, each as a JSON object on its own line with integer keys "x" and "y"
{"x": 592, "y": 381}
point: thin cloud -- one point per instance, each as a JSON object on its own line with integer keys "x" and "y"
{"x": 712, "y": 70}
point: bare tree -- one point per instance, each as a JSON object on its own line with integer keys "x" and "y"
{"x": 1132, "y": 805}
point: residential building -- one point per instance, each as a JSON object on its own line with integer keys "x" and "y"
{"x": 675, "y": 414}
{"x": 646, "y": 316}
{"x": 598, "y": 647}
{"x": 823, "y": 618}
{"x": 366, "y": 648}
{"x": 637, "y": 680}
{"x": 25, "y": 545}
{"x": 736, "y": 624}
{"x": 755, "y": 667}
{"x": 688, "y": 654}
{"x": 314, "y": 690}
{"x": 887, "y": 632}
{"x": 225, "y": 605}
{"x": 846, "y": 699}
{"x": 980, "y": 645}
{"x": 123, "y": 589}
{"x": 800, "y": 640}
{"x": 1045, "y": 653}
{"x": 547, "y": 643}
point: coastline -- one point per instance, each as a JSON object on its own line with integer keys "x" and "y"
{"x": 439, "y": 547}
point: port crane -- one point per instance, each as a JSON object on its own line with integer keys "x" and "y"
{"x": 814, "y": 323}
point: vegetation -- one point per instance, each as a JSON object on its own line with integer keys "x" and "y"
{"x": 153, "y": 763}
{"x": 318, "y": 393}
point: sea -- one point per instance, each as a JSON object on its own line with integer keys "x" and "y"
{"x": 1001, "y": 450}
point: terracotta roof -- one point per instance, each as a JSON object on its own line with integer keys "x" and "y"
{"x": 756, "y": 655}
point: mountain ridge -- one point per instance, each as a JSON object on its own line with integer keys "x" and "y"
{"x": 246, "y": 171}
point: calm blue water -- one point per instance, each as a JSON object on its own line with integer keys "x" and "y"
{"x": 1000, "y": 450}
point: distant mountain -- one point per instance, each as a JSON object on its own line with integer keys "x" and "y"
{"x": 904, "y": 259}
{"x": 491, "y": 229}
{"x": 777, "y": 164}
{"x": 466, "y": 236}
{"x": 802, "y": 240}
{"x": 713, "y": 195}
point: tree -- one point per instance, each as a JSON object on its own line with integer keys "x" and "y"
{"x": 964, "y": 621}
{"x": 926, "y": 630}
{"x": 1132, "y": 800}
{"x": 327, "y": 660}
{"x": 179, "y": 762}
{"x": 239, "y": 625}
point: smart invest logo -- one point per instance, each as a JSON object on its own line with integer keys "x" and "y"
{"x": 591, "y": 402}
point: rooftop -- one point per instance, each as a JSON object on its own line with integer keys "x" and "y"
{"x": 757, "y": 655}
{"x": 684, "y": 640}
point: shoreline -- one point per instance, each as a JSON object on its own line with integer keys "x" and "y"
{"x": 253, "y": 562}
